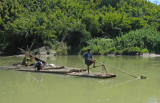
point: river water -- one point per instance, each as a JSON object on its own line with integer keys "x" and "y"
{"x": 26, "y": 87}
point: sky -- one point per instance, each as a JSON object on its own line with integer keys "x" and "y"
{"x": 155, "y": 1}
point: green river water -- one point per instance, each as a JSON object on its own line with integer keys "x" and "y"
{"x": 26, "y": 87}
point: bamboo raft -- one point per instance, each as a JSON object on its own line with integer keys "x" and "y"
{"x": 62, "y": 70}
{"x": 93, "y": 75}
{"x": 25, "y": 66}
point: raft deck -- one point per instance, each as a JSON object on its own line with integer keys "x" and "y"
{"x": 94, "y": 75}
{"x": 73, "y": 72}
{"x": 64, "y": 70}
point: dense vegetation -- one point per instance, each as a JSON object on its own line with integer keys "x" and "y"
{"x": 107, "y": 26}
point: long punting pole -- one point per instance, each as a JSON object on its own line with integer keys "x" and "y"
{"x": 117, "y": 70}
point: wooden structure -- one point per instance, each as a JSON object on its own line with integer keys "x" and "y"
{"x": 61, "y": 70}
{"x": 70, "y": 71}
{"x": 93, "y": 75}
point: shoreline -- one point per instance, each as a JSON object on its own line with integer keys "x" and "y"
{"x": 150, "y": 55}
{"x": 143, "y": 55}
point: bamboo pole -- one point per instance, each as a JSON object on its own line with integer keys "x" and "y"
{"x": 117, "y": 69}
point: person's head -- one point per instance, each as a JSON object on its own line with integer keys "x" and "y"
{"x": 88, "y": 50}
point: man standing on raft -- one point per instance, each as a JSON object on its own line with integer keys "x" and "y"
{"x": 88, "y": 59}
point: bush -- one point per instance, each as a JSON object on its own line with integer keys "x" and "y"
{"x": 83, "y": 50}
{"x": 144, "y": 39}
{"x": 112, "y": 50}
{"x": 97, "y": 50}
{"x": 144, "y": 51}
{"x": 99, "y": 46}
{"x": 61, "y": 48}
{"x": 131, "y": 51}
{"x": 118, "y": 52}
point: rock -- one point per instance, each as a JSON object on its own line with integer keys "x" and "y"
{"x": 45, "y": 50}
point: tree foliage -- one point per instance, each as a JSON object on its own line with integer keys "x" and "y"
{"x": 143, "y": 38}
{"x": 71, "y": 21}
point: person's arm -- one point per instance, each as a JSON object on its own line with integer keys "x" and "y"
{"x": 85, "y": 56}
{"x": 35, "y": 65}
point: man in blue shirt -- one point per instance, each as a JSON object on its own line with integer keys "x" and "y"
{"x": 88, "y": 59}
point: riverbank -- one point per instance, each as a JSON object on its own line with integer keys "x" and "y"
{"x": 46, "y": 55}
{"x": 150, "y": 55}
{"x": 44, "y": 50}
